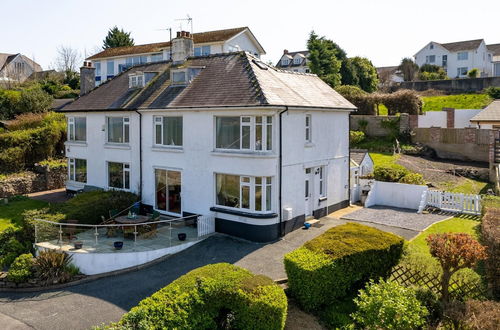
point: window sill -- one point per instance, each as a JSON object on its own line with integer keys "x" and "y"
{"x": 244, "y": 213}
{"x": 309, "y": 144}
{"x": 76, "y": 143}
{"x": 322, "y": 199}
{"x": 244, "y": 154}
{"x": 123, "y": 146}
{"x": 167, "y": 149}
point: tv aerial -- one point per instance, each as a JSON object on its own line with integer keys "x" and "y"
{"x": 188, "y": 20}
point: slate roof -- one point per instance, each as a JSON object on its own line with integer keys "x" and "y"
{"x": 462, "y": 45}
{"x": 490, "y": 113}
{"x": 495, "y": 49}
{"x": 198, "y": 38}
{"x": 357, "y": 155}
{"x": 232, "y": 79}
{"x": 291, "y": 55}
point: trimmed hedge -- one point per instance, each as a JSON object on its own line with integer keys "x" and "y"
{"x": 490, "y": 231}
{"x": 340, "y": 260}
{"x": 211, "y": 297}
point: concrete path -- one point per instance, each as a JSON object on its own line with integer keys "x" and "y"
{"x": 50, "y": 196}
{"x": 107, "y": 299}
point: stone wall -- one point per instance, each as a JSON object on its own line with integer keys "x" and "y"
{"x": 462, "y": 85}
{"x": 374, "y": 127}
{"x": 42, "y": 178}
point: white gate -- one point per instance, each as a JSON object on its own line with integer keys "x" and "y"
{"x": 205, "y": 225}
{"x": 454, "y": 202}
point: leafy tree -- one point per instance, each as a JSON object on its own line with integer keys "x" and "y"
{"x": 454, "y": 251}
{"x": 117, "y": 38}
{"x": 34, "y": 100}
{"x": 365, "y": 72}
{"x": 408, "y": 68}
{"x": 473, "y": 73}
{"x": 323, "y": 59}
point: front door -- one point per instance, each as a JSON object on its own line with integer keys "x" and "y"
{"x": 309, "y": 189}
{"x": 355, "y": 187}
{"x": 168, "y": 191}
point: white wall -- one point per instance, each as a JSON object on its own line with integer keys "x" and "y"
{"x": 366, "y": 166}
{"x": 438, "y": 118}
{"x": 463, "y": 117}
{"x": 400, "y": 195}
{"x": 244, "y": 42}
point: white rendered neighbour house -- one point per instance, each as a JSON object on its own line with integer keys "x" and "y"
{"x": 112, "y": 61}
{"x": 458, "y": 58}
{"x": 260, "y": 149}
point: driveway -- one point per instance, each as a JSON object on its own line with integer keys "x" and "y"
{"x": 107, "y": 299}
{"x": 409, "y": 221}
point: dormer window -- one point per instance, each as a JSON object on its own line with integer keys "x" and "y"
{"x": 431, "y": 46}
{"x": 136, "y": 80}
{"x": 179, "y": 77}
{"x": 185, "y": 75}
{"x": 285, "y": 61}
{"x": 297, "y": 60}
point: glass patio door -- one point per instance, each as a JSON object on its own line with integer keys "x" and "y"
{"x": 168, "y": 191}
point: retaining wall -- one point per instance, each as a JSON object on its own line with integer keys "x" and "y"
{"x": 461, "y": 85}
{"x": 394, "y": 194}
{"x": 29, "y": 182}
{"x": 374, "y": 127}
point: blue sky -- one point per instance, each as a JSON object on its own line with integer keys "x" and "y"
{"x": 384, "y": 31}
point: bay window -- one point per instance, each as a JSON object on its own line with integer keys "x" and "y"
{"x": 119, "y": 175}
{"x": 77, "y": 128}
{"x": 246, "y": 193}
{"x": 253, "y": 133}
{"x": 77, "y": 170}
{"x": 118, "y": 129}
{"x": 168, "y": 131}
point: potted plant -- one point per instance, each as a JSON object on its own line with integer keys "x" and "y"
{"x": 118, "y": 245}
{"x": 78, "y": 245}
{"x": 182, "y": 236}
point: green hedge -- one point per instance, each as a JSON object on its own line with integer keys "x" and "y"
{"x": 340, "y": 260}
{"x": 211, "y": 297}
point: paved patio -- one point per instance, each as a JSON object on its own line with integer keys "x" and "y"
{"x": 396, "y": 217}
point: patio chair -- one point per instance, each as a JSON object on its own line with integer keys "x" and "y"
{"x": 110, "y": 231}
{"x": 70, "y": 231}
{"x": 149, "y": 231}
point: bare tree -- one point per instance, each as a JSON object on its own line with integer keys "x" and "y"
{"x": 68, "y": 59}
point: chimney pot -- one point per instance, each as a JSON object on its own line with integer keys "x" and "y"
{"x": 285, "y": 51}
{"x": 178, "y": 34}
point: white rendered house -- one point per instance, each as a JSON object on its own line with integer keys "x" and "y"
{"x": 260, "y": 149}
{"x": 113, "y": 61}
{"x": 294, "y": 61}
{"x": 457, "y": 58}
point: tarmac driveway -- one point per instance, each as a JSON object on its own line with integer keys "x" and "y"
{"x": 107, "y": 299}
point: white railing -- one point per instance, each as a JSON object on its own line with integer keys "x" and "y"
{"x": 205, "y": 225}
{"x": 454, "y": 202}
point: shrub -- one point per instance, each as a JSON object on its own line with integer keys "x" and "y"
{"x": 454, "y": 251}
{"x": 472, "y": 314}
{"x": 344, "y": 257}
{"x": 46, "y": 231}
{"x": 412, "y": 178}
{"x": 21, "y": 269}
{"x": 430, "y": 301}
{"x": 54, "y": 164}
{"x": 403, "y": 101}
{"x": 11, "y": 247}
{"x": 490, "y": 231}
{"x": 88, "y": 207}
{"x": 390, "y": 173}
{"x": 356, "y": 137}
{"x": 53, "y": 266}
{"x": 217, "y": 296}
{"x": 392, "y": 127}
{"x": 25, "y": 121}
{"x": 493, "y": 92}
{"x": 387, "y": 305}
{"x": 473, "y": 73}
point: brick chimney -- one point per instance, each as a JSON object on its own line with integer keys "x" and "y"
{"x": 285, "y": 51}
{"x": 87, "y": 78}
{"x": 182, "y": 47}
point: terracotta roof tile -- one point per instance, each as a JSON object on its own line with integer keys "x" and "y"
{"x": 198, "y": 38}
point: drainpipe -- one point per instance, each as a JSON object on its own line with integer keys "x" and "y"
{"x": 281, "y": 171}
{"x": 348, "y": 162}
{"x": 140, "y": 155}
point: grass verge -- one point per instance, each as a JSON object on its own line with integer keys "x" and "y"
{"x": 11, "y": 213}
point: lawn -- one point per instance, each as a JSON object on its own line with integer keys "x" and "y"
{"x": 461, "y": 101}
{"x": 383, "y": 158}
{"x": 11, "y": 214}
{"x": 466, "y": 186}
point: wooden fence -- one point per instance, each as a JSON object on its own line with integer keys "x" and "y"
{"x": 454, "y": 202}
{"x": 452, "y": 135}
{"x": 458, "y": 289}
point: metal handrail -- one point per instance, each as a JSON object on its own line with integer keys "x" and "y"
{"x": 116, "y": 225}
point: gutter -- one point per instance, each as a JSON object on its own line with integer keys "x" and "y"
{"x": 281, "y": 234}
{"x": 140, "y": 154}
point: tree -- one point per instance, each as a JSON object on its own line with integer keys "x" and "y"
{"x": 365, "y": 72}
{"x": 323, "y": 59}
{"x": 117, "y": 38}
{"x": 34, "y": 100}
{"x": 408, "y": 68}
{"x": 454, "y": 251}
{"x": 432, "y": 72}
{"x": 68, "y": 59}
{"x": 473, "y": 73}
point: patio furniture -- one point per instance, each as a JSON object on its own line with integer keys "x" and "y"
{"x": 71, "y": 230}
{"x": 136, "y": 220}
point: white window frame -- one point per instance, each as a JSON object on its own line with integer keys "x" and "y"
{"x": 462, "y": 56}
{"x": 136, "y": 81}
{"x": 125, "y": 127}
{"x": 322, "y": 182}
{"x": 297, "y": 60}
{"x": 71, "y": 135}
{"x": 461, "y": 69}
{"x": 308, "y": 128}
{"x": 266, "y": 186}
{"x": 72, "y": 170}
{"x": 158, "y": 122}
{"x": 429, "y": 57}
{"x": 251, "y": 122}
{"x": 125, "y": 170}
{"x": 285, "y": 61}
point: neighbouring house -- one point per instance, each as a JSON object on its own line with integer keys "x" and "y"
{"x": 227, "y": 135}
{"x": 495, "y": 51}
{"x": 294, "y": 61}
{"x": 489, "y": 117}
{"x": 16, "y": 68}
{"x": 388, "y": 75}
{"x": 361, "y": 165}
{"x": 457, "y": 58}
{"x": 113, "y": 61}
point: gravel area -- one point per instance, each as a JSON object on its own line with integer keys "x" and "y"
{"x": 396, "y": 217}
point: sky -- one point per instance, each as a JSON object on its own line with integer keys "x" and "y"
{"x": 384, "y": 31}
